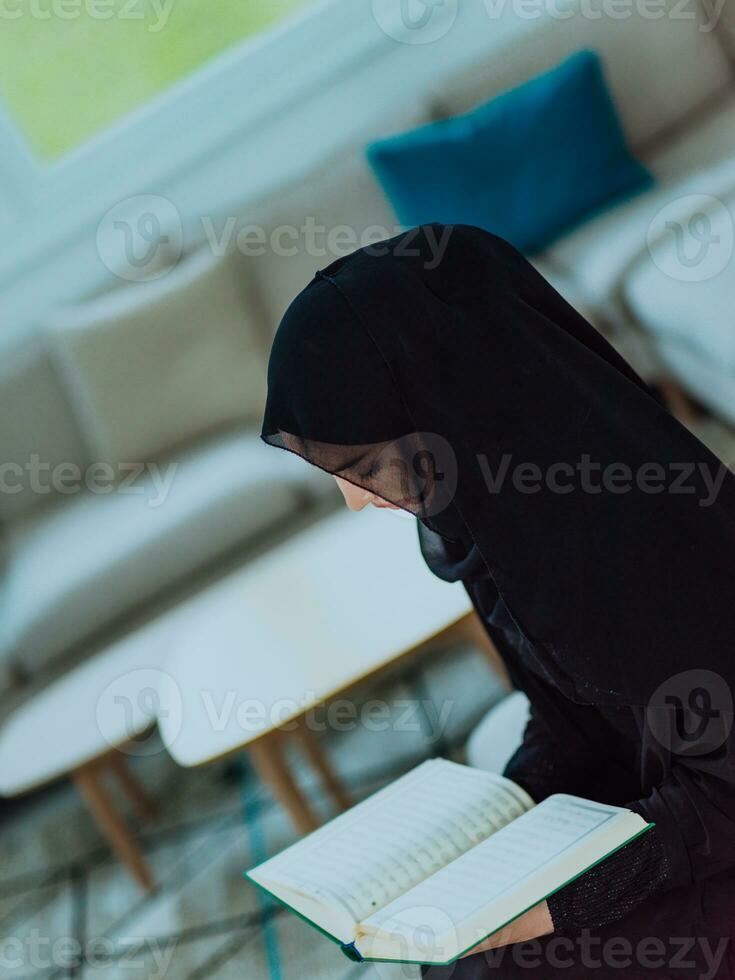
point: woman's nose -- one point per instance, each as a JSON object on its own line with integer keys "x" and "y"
{"x": 356, "y": 498}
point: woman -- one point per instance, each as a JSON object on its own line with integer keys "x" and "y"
{"x": 441, "y": 374}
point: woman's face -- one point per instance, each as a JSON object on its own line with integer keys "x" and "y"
{"x": 356, "y": 498}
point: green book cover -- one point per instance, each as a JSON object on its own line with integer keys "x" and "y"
{"x": 352, "y": 951}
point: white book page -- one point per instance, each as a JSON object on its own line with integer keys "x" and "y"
{"x": 397, "y": 838}
{"x": 551, "y": 835}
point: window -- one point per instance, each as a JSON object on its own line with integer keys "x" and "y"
{"x": 68, "y": 68}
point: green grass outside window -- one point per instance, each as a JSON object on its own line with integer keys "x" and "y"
{"x": 68, "y": 68}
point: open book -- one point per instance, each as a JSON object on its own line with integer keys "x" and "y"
{"x": 430, "y": 866}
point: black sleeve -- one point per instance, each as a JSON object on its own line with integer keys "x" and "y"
{"x": 614, "y": 888}
{"x": 693, "y": 809}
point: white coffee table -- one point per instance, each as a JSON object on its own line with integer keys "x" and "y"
{"x": 310, "y": 620}
{"x": 83, "y": 725}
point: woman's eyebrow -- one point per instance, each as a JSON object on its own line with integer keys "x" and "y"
{"x": 366, "y": 451}
{"x": 351, "y": 462}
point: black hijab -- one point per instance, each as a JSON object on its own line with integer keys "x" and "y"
{"x": 440, "y": 371}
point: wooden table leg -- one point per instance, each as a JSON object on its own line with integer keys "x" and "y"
{"x": 142, "y": 803}
{"x": 475, "y": 633}
{"x": 273, "y": 769}
{"x": 318, "y": 758}
{"x": 112, "y": 825}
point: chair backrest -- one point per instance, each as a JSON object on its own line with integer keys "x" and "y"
{"x": 153, "y": 365}
{"x": 38, "y": 432}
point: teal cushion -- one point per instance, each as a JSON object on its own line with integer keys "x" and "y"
{"x": 528, "y": 166}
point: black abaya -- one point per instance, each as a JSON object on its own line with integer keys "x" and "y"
{"x": 595, "y": 535}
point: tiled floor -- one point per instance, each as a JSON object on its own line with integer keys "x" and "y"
{"x": 60, "y": 889}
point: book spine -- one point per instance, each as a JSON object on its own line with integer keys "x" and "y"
{"x": 352, "y": 953}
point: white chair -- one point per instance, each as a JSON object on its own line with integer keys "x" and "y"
{"x": 493, "y": 742}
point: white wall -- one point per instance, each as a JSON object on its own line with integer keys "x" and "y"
{"x": 240, "y": 127}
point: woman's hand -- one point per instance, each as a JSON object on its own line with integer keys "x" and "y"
{"x": 532, "y": 924}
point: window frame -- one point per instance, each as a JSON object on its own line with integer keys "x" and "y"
{"x": 45, "y": 205}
